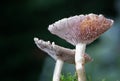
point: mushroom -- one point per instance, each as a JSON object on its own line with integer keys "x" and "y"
{"x": 58, "y": 52}
{"x": 79, "y": 31}
{"x": 55, "y": 51}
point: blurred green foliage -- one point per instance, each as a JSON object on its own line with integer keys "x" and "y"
{"x": 68, "y": 77}
{"x": 22, "y": 20}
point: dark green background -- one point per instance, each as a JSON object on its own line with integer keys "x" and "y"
{"x": 22, "y": 20}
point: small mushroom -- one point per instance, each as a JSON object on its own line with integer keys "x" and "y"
{"x": 79, "y": 31}
{"x": 59, "y": 53}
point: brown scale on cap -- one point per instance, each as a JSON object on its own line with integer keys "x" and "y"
{"x": 92, "y": 27}
{"x": 81, "y": 28}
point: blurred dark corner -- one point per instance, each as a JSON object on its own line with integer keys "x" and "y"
{"x": 22, "y": 20}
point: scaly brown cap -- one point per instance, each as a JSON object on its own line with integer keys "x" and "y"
{"x": 81, "y": 29}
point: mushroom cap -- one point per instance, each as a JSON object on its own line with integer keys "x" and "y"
{"x": 81, "y": 28}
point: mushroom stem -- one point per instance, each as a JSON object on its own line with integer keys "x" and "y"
{"x": 80, "y": 61}
{"x": 57, "y": 70}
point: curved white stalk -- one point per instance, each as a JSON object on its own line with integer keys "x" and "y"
{"x": 57, "y": 70}
{"x": 80, "y": 61}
